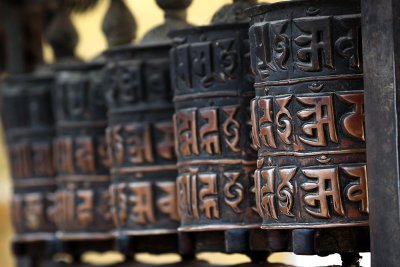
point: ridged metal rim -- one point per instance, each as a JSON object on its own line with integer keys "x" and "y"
{"x": 87, "y": 66}
{"x": 208, "y": 28}
{"x": 135, "y": 48}
{"x": 264, "y": 8}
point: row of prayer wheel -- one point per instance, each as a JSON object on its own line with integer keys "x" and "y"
{"x": 153, "y": 147}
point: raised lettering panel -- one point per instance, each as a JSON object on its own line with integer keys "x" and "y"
{"x": 312, "y": 194}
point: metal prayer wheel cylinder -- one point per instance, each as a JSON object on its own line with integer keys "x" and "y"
{"x": 308, "y": 114}
{"x": 83, "y": 198}
{"x": 29, "y": 126}
{"x": 212, "y": 91}
{"x": 141, "y": 144}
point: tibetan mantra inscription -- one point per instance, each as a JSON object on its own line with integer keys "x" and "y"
{"x": 216, "y": 160}
{"x": 141, "y": 140}
{"x": 308, "y": 114}
{"x": 83, "y": 198}
{"x": 29, "y": 125}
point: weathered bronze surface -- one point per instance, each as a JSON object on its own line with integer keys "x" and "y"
{"x": 212, "y": 90}
{"x": 29, "y": 125}
{"x": 308, "y": 114}
{"x": 141, "y": 146}
{"x": 83, "y": 198}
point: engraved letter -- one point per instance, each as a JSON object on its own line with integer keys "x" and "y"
{"x": 284, "y": 125}
{"x": 209, "y": 196}
{"x": 353, "y": 122}
{"x": 232, "y": 128}
{"x": 268, "y": 192}
{"x": 266, "y": 130}
{"x": 233, "y": 190}
{"x": 324, "y": 115}
{"x": 349, "y": 46}
{"x": 316, "y": 43}
{"x": 142, "y": 203}
{"x": 209, "y": 132}
{"x": 358, "y": 192}
{"x": 165, "y": 148}
{"x": 115, "y": 144}
{"x": 139, "y": 144}
{"x": 167, "y": 204}
{"x": 185, "y": 123}
{"x": 327, "y": 185}
{"x": 34, "y": 210}
{"x": 85, "y": 208}
{"x": 285, "y": 190}
{"x": 64, "y": 155}
{"x": 84, "y": 154}
{"x": 42, "y": 159}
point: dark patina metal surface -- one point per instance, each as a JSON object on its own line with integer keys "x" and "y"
{"x": 233, "y": 12}
{"x": 308, "y": 116}
{"x": 29, "y": 125}
{"x": 212, "y": 90}
{"x": 175, "y": 19}
{"x": 141, "y": 144}
{"x": 381, "y": 48}
{"x": 83, "y": 199}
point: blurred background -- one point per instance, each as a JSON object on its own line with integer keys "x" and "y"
{"x": 91, "y": 43}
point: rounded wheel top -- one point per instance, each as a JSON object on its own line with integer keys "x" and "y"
{"x": 174, "y": 4}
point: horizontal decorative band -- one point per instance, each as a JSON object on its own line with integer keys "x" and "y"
{"x": 213, "y": 94}
{"x": 145, "y": 232}
{"x": 81, "y": 124}
{"x": 33, "y": 182}
{"x": 156, "y": 168}
{"x": 140, "y": 108}
{"x": 83, "y": 236}
{"x": 33, "y": 237}
{"x": 216, "y": 162}
{"x": 313, "y": 225}
{"x": 310, "y": 79}
{"x": 217, "y": 227}
{"x": 305, "y": 154}
{"x": 83, "y": 178}
{"x": 28, "y": 132}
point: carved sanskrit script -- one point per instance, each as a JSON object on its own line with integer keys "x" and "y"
{"x": 211, "y": 135}
{"x": 78, "y": 155}
{"x": 310, "y": 42}
{"x": 199, "y": 194}
{"x": 33, "y": 159}
{"x": 132, "y": 143}
{"x": 308, "y": 119}
{"x": 79, "y": 208}
{"x": 323, "y": 190}
{"x": 205, "y": 64}
{"x": 319, "y": 125}
{"x": 143, "y": 204}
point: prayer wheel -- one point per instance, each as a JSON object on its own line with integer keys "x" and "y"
{"x": 308, "y": 120}
{"x": 29, "y": 126}
{"x": 141, "y": 145}
{"x": 84, "y": 217}
{"x": 140, "y": 138}
{"x": 213, "y": 86}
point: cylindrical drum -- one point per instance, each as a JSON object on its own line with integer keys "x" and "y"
{"x": 141, "y": 145}
{"x": 212, "y": 86}
{"x": 29, "y": 125}
{"x": 308, "y": 114}
{"x": 83, "y": 198}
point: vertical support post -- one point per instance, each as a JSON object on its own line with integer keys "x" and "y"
{"x": 381, "y": 49}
